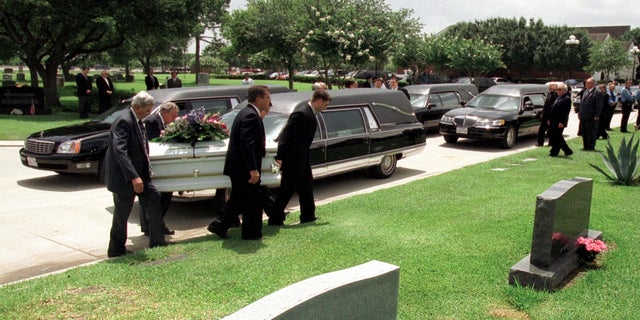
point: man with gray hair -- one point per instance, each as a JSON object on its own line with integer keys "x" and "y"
{"x": 589, "y": 114}
{"x": 154, "y": 125}
{"x": 127, "y": 174}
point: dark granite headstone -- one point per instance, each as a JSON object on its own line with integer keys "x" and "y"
{"x": 562, "y": 215}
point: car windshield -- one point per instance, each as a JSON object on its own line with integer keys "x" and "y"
{"x": 113, "y": 113}
{"x": 495, "y": 102}
{"x": 418, "y": 100}
{"x": 273, "y": 122}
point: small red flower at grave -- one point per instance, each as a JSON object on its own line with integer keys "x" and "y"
{"x": 589, "y": 248}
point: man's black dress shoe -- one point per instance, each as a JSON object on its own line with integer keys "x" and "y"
{"x": 215, "y": 228}
{"x": 162, "y": 244}
{"x": 252, "y": 238}
{"x": 118, "y": 254}
{"x": 308, "y": 220}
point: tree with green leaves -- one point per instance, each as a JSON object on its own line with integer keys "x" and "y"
{"x": 49, "y": 33}
{"x": 607, "y": 56}
{"x": 475, "y": 58}
{"x": 352, "y": 33}
{"x": 517, "y": 38}
{"x": 553, "y": 54}
{"x": 277, "y": 25}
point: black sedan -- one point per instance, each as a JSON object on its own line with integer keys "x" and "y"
{"x": 81, "y": 148}
{"x": 501, "y": 113}
{"x": 431, "y": 101}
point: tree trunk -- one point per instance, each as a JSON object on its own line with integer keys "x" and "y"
{"x": 196, "y": 68}
{"x": 50, "y": 74}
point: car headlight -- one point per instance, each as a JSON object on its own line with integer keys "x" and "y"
{"x": 490, "y": 123}
{"x": 71, "y": 146}
{"x": 446, "y": 118}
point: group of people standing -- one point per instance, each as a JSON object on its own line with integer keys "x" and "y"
{"x": 243, "y": 163}
{"x": 84, "y": 85}
{"x": 555, "y": 118}
{"x": 595, "y": 113}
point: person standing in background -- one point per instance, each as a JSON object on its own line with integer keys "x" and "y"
{"x": 626, "y": 97}
{"x": 83, "y": 82}
{"x": 151, "y": 81}
{"x": 589, "y": 114}
{"x": 174, "y": 81}
{"x": 546, "y": 111}
{"x": 105, "y": 91}
{"x": 603, "y": 122}
{"x": 558, "y": 120}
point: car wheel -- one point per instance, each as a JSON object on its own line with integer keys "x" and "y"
{"x": 509, "y": 139}
{"x": 450, "y": 138}
{"x": 386, "y": 168}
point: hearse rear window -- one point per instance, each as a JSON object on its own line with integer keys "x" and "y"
{"x": 341, "y": 123}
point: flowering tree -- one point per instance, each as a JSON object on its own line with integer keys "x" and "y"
{"x": 474, "y": 58}
{"x": 354, "y": 33}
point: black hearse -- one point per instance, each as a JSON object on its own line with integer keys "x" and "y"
{"x": 361, "y": 129}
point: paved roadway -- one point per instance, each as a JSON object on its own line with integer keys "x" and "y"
{"x": 50, "y": 222}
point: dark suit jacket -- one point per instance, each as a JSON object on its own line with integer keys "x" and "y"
{"x": 103, "y": 86}
{"x": 560, "y": 110}
{"x": 151, "y": 82}
{"x": 177, "y": 83}
{"x": 154, "y": 125}
{"x": 296, "y": 137}
{"x": 590, "y": 104}
{"x": 83, "y": 83}
{"x": 548, "y": 104}
{"x": 126, "y": 157}
{"x": 246, "y": 144}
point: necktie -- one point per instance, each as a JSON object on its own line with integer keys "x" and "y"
{"x": 143, "y": 133}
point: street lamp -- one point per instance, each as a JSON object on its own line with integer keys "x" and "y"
{"x": 572, "y": 42}
{"x": 634, "y": 53}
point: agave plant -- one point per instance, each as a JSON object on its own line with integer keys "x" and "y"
{"x": 623, "y": 166}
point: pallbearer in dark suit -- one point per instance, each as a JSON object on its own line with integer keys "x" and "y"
{"x": 242, "y": 164}
{"x": 105, "y": 91}
{"x": 293, "y": 159}
{"x": 558, "y": 120}
{"x": 127, "y": 174}
{"x": 154, "y": 125}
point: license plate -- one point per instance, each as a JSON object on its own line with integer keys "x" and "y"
{"x": 32, "y": 162}
{"x": 461, "y": 130}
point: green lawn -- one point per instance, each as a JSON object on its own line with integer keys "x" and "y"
{"x": 19, "y": 127}
{"x": 454, "y": 236}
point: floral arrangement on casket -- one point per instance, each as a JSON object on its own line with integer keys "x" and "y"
{"x": 196, "y": 126}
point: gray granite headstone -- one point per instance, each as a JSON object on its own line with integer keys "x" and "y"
{"x": 368, "y": 291}
{"x": 562, "y": 215}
